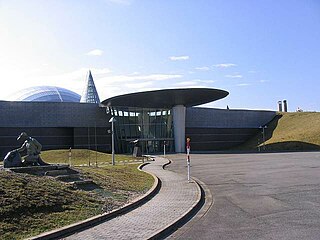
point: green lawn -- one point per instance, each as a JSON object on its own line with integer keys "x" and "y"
{"x": 81, "y": 157}
{"x": 30, "y": 204}
{"x": 289, "y": 131}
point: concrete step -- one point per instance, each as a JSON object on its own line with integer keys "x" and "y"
{"x": 86, "y": 185}
{"x": 82, "y": 182}
{"x": 69, "y": 177}
{"x": 38, "y": 170}
{"x": 62, "y": 173}
{"x": 58, "y": 172}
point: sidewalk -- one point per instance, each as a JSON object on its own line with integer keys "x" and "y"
{"x": 175, "y": 198}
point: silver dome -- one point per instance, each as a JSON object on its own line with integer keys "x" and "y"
{"x": 45, "y": 94}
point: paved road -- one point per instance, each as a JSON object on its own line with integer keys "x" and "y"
{"x": 257, "y": 196}
{"x": 174, "y": 199}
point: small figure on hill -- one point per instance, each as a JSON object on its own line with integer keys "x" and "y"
{"x": 33, "y": 149}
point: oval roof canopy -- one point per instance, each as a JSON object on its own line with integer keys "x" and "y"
{"x": 167, "y": 98}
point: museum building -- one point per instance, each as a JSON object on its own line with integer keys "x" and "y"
{"x": 59, "y": 118}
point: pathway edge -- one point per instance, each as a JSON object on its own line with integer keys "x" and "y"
{"x": 87, "y": 223}
{"x": 174, "y": 225}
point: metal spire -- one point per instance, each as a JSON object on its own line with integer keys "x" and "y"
{"x": 90, "y": 94}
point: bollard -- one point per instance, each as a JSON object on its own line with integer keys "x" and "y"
{"x": 188, "y": 165}
{"x": 188, "y": 158}
{"x": 70, "y": 156}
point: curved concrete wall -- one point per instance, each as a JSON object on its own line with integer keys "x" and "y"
{"x": 64, "y": 125}
{"x": 51, "y": 114}
{"x": 54, "y": 125}
{"x": 223, "y": 118}
{"x": 218, "y": 129}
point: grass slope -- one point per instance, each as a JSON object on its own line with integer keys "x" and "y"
{"x": 289, "y": 131}
{"x": 30, "y": 204}
{"x": 81, "y": 157}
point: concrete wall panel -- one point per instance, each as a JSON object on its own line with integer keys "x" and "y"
{"x": 220, "y": 129}
{"x": 223, "y": 118}
{"x": 51, "y": 114}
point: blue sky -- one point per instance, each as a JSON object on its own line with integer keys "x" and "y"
{"x": 260, "y": 51}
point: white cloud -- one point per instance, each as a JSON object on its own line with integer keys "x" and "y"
{"x": 114, "y": 85}
{"x": 123, "y": 84}
{"x": 252, "y": 71}
{"x": 195, "y": 82}
{"x": 135, "y": 73}
{"x": 107, "y": 84}
{"x": 78, "y": 74}
{"x": 186, "y": 83}
{"x": 73, "y": 80}
{"x": 243, "y": 84}
{"x": 95, "y": 52}
{"x": 138, "y": 85}
{"x": 202, "y": 68}
{"x": 96, "y": 71}
{"x": 234, "y": 76}
{"x": 224, "y": 65}
{"x": 203, "y": 81}
{"x": 150, "y": 77}
{"x": 263, "y": 81}
{"x": 179, "y": 58}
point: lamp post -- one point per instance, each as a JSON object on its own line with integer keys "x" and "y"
{"x": 263, "y": 136}
{"x": 112, "y": 120}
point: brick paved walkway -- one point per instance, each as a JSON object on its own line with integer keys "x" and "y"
{"x": 174, "y": 199}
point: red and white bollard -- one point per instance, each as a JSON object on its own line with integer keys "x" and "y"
{"x": 188, "y": 165}
{"x": 188, "y": 158}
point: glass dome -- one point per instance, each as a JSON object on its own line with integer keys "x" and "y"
{"x": 45, "y": 94}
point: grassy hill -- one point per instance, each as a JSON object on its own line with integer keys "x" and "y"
{"x": 299, "y": 131}
{"x": 31, "y": 204}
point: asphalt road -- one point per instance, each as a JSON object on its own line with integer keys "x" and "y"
{"x": 256, "y": 196}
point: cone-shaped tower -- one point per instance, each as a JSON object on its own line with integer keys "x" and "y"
{"x": 90, "y": 94}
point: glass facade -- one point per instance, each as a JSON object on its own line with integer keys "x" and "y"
{"x": 90, "y": 94}
{"x": 151, "y": 127}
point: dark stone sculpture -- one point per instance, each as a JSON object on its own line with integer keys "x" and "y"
{"x": 12, "y": 159}
{"x": 33, "y": 149}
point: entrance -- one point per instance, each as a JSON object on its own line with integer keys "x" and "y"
{"x": 152, "y": 128}
{"x": 148, "y": 146}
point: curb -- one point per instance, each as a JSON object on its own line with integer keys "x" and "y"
{"x": 90, "y": 222}
{"x": 208, "y": 203}
{"x": 166, "y": 164}
{"x": 170, "y": 228}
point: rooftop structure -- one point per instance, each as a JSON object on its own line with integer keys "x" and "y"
{"x": 152, "y": 120}
{"x": 90, "y": 94}
{"x": 157, "y": 116}
{"x": 45, "y": 94}
{"x": 167, "y": 98}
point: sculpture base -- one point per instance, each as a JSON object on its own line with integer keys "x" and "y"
{"x": 39, "y": 170}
